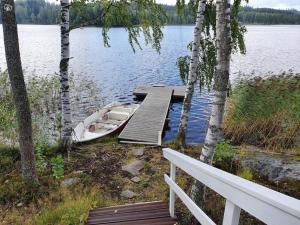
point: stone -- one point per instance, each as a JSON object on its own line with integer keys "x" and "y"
{"x": 78, "y": 172}
{"x": 93, "y": 155}
{"x": 276, "y": 168}
{"x": 138, "y": 151}
{"x": 128, "y": 194}
{"x": 134, "y": 167}
{"x": 20, "y": 204}
{"x": 135, "y": 179}
{"x": 70, "y": 181}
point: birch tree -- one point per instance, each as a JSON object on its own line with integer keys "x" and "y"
{"x": 192, "y": 76}
{"x": 18, "y": 87}
{"x": 221, "y": 78}
{"x": 64, "y": 74}
{"x": 205, "y": 70}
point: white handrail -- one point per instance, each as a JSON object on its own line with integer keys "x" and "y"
{"x": 265, "y": 204}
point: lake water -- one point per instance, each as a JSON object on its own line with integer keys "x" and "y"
{"x": 117, "y": 70}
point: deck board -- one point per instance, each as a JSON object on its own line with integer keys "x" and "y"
{"x": 179, "y": 91}
{"x": 148, "y": 121}
{"x": 156, "y": 213}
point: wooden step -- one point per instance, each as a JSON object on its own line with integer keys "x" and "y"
{"x": 153, "y": 213}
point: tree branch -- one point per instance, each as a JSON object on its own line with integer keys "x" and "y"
{"x": 100, "y": 16}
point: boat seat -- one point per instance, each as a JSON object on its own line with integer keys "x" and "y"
{"x": 122, "y": 109}
{"x": 115, "y": 115}
{"x": 114, "y": 122}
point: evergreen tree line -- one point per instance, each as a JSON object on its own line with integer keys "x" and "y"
{"x": 42, "y": 12}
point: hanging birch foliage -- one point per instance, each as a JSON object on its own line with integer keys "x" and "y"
{"x": 136, "y": 16}
{"x": 207, "y": 53}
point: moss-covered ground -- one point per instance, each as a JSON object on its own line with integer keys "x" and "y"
{"x": 98, "y": 166}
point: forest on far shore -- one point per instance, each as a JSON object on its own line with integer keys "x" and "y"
{"x": 42, "y": 12}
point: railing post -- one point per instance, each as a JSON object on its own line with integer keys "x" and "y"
{"x": 172, "y": 193}
{"x": 231, "y": 214}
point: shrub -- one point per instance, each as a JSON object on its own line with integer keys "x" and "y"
{"x": 40, "y": 149}
{"x": 57, "y": 164}
{"x": 224, "y": 151}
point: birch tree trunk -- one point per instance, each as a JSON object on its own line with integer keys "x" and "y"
{"x": 14, "y": 66}
{"x": 64, "y": 74}
{"x": 221, "y": 79}
{"x": 192, "y": 77}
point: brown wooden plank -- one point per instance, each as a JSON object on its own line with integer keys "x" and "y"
{"x": 155, "y": 213}
{"x": 156, "y": 221}
{"x": 133, "y": 208}
{"x": 130, "y": 215}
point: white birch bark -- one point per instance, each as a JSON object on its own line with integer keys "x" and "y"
{"x": 221, "y": 79}
{"x": 64, "y": 74}
{"x": 192, "y": 77}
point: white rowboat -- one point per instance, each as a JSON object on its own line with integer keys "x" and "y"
{"x": 108, "y": 120}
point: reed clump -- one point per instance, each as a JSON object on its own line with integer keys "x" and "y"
{"x": 265, "y": 113}
{"x": 44, "y": 97}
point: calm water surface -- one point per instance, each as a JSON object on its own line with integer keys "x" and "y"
{"x": 118, "y": 70}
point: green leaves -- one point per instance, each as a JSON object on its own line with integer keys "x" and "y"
{"x": 224, "y": 151}
{"x": 207, "y": 56}
{"x": 136, "y": 16}
{"x": 57, "y": 164}
{"x": 237, "y": 30}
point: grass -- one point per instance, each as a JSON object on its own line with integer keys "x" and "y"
{"x": 72, "y": 210}
{"x": 246, "y": 173}
{"x": 265, "y": 113}
{"x": 8, "y": 155}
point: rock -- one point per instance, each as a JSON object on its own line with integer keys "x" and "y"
{"x": 20, "y": 204}
{"x": 78, "y": 172}
{"x": 93, "y": 155}
{"x": 138, "y": 151}
{"x": 70, "y": 181}
{"x": 135, "y": 179}
{"x": 128, "y": 194}
{"x": 134, "y": 167}
{"x": 276, "y": 168}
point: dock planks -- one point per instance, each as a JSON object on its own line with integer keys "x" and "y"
{"x": 147, "y": 123}
{"x": 153, "y": 213}
{"x": 178, "y": 91}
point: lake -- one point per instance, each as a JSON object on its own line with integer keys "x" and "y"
{"x": 117, "y": 70}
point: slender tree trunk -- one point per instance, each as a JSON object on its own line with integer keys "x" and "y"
{"x": 14, "y": 66}
{"x": 192, "y": 77}
{"x": 221, "y": 79}
{"x": 64, "y": 74}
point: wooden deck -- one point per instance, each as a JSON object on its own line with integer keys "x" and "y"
{"x": 178, "y": 91}
{"x": 147, "y": 123}
{"x": 155, "y": 213}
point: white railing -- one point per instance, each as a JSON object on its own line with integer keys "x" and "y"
{"x": 267, "y": 205}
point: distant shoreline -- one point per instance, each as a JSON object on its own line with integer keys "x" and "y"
{"x": 169, "y": 25}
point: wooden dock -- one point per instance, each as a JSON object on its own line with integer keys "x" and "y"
{"x": 153, "y": 213}
{"x": 147, "y": 123}
{"x": 178, "y": 91}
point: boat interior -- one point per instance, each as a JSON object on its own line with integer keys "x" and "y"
{"x": 104, "y": 121}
